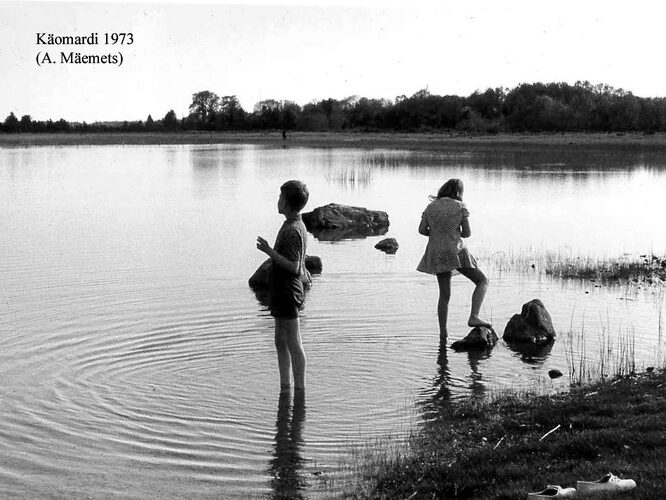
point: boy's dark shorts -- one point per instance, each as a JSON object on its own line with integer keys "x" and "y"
{"x": 286, "y": 300}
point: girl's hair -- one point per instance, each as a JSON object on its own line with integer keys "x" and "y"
{"x": 295, "y": 194}
{"x": 453, "y": 188}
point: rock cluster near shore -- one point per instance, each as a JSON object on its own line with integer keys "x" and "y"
{"x": 532, "y": 327}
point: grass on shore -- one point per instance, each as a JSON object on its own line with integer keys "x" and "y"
{"x": 515, "y": 444}
{"x": 426, "y": 141}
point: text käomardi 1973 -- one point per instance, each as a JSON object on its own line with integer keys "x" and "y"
{"x": 110, "y": 41}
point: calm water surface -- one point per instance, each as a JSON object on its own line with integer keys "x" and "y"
{"x": 135, "y": 361}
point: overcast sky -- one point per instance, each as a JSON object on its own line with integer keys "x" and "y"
{"x": 309, "y": 51}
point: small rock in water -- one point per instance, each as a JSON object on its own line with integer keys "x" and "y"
{"x": 554, "y": 373}
{"x": 480, "y": 337}
{"x": 388, "y": 245}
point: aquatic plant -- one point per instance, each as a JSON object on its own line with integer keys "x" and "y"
{"x": 615, "y": 356}
{"x": 351, "y": 177}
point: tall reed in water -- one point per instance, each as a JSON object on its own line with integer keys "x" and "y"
{"x": 615, "y": 356}
{"x": 352, "y": 177}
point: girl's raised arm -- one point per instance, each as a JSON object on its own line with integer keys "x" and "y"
{"x": 465, "y": 230}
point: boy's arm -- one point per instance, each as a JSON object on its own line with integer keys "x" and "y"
{"x": 279, "y": 260}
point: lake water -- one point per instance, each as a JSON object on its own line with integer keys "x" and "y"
{"x": 136, "y": 362}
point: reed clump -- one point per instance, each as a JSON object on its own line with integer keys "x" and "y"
{"x": 352, "y": 177}
{"x": 646, "y": 269}
{"x": 614, "y": 355}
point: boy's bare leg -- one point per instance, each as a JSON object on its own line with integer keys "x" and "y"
{"x": 295, "y": 345}
{"x": 481, "y": 282}
{"x": 444, "y": 282}
{"x": 282, "y": 347}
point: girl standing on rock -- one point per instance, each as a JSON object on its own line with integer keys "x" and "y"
{"x": 445, "y": 221}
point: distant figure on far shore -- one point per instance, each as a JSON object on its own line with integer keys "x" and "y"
{"x": 446, "y": 221}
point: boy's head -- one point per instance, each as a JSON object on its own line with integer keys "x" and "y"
{"x": 295, "y": 195}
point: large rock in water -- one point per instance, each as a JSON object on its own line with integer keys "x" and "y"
{"x": 480, "y": 337}
{"x": 261, "y": 277}
{"x": 335, "y": 216}
{"x": 532, "y": 325}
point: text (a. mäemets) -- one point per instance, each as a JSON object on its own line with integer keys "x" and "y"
{"x": 89, "y": 39}
{"x": 114, "y": 59}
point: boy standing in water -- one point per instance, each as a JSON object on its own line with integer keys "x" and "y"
{"x": 286, "y": 289}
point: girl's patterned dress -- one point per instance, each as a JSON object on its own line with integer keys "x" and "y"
{"x": 445, "y": 250}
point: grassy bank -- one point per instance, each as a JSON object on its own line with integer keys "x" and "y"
{"x": 643, "y": 269}
{"x": 516, "y": 444}
{"x": 413, "y": 141}
{"x": 647, "y": 269}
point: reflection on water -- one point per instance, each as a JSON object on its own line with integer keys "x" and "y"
{"x": 286, "y": 466}
{"x": 476, "y": 383}
{"x": 441, "y": 390}
{"x": 534, "y": 354}
{"x": 556, "y": 160}
{"x": 134, "y": 355}
{"x": 347, "y": 233}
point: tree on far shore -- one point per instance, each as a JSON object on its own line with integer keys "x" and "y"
{"x": 26, "y": 123}
{"x": 204, "y": 105}
{"x": 11, "y": 124}
{"x": 529, "y": 107}
{"x": 170, "y": 122}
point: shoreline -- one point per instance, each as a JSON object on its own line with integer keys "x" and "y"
{"x": 362, "y": 140}
{"x": 524, "y": 443}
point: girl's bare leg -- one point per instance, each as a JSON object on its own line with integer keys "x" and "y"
{"x": 481, "y": 282}
{"x": 444, "y": 282}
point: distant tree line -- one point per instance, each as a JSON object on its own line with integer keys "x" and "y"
{"x": 536, "y": 107}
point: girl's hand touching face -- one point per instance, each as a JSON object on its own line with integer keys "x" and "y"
{"x": 263, "y": 246}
